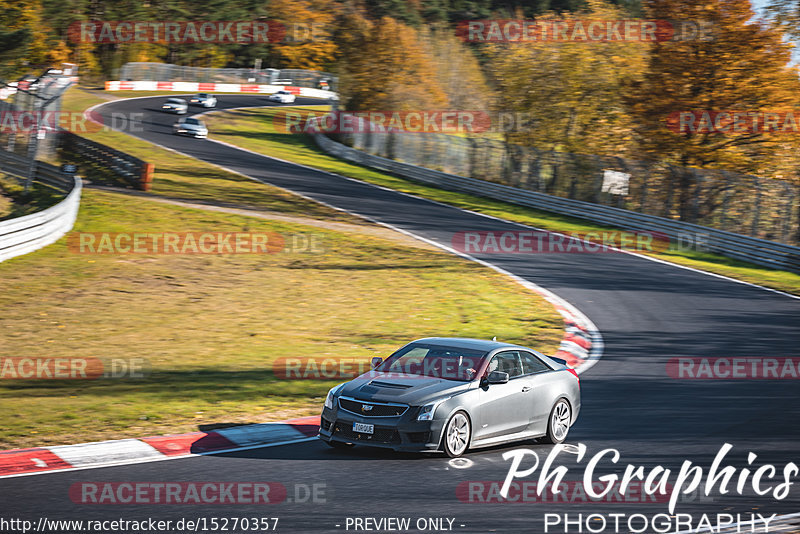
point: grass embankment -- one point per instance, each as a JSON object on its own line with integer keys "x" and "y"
{"x": 16, "y": 202}
{"x": 254, "y": 129}
{"x": 212, "y": 325}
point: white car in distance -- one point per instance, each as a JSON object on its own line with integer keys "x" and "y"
{"x": 283, "y": 96}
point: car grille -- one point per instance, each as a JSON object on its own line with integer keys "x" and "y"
{"x": 381, "y": 435}
{"x": 377, "y": 409}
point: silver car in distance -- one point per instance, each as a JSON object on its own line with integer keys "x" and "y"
{"x": 175, "y": 105}
{"x": 190, "y": 126}
{"x": 453, "y": 394}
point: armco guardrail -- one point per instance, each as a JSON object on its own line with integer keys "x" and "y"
{"x": 753, "y": 250}
{"x": 134, "y": 171}
{"x": 31, "y": 232}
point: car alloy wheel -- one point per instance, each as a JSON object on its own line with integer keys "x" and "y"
{"x": 457, "y": 435}
{"x": 560, "y": 418}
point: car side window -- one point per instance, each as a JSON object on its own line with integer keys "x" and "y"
{"x": 506, "y": 362}
{"x": 531, "y": 364}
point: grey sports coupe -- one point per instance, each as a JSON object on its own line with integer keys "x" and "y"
{"x": 453, "y": 394}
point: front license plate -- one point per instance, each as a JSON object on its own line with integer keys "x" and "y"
{"x": 363, "y": 428}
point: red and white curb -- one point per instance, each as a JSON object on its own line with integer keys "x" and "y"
{"x": 203, "y": 87}
{"x": 21, "y": 462}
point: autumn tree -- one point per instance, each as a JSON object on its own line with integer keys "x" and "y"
{"x": 740, "y": 65}
{"x": 570, "y": 91}
{"x": 37, "y": 46}
{"x": 308, "y": 43}
{"x": 457, "y": 70}
{"x": 384, "y": 66}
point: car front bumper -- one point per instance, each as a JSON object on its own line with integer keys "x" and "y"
{"x": 403, "y": 433}
{"x": 196, "y": 135}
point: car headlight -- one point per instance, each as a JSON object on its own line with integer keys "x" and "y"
{"x": 329, "y": 400}
{"x": 427, "y": 411}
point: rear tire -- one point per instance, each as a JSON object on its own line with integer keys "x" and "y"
{"x": 457, "y": 435}
{"x": 558, "y": 423}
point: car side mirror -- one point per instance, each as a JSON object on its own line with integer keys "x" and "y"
{"x": 376, "y": 361}
{"x": 497, "y": 377}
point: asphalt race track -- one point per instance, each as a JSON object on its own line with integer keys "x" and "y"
{"x": 647, "y": 312}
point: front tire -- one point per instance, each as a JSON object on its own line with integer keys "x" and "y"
{"x": 558, "y": 423}
{"x": 457, "y": 435}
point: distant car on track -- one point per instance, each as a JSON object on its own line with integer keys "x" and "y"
{"x": 175, "y": 105}
{"x": 203, "y": 99}
{"x": 191, "y": 127}
{"x": 453, "y": 394}
{"x": 283, "y": 96}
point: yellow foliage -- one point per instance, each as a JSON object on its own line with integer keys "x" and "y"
{"x": 571, "y": 91}
{"x": 308, "y": 43}
{"x": 386, "y": 67}
{"x": 741, "y": 66}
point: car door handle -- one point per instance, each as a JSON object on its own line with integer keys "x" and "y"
{"x": 526, "y": 389}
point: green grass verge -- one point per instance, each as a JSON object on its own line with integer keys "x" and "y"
{"x": 16, "y": 202}
{"x": 253, "y": 129}
{"x": 211, "y": 325}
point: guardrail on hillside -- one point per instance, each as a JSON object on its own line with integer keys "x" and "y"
{"x": 751, "y": 249}
{"x": 134, "y": 171}
{"x": 31, "y": 232}
{"x": 165, "y": 72}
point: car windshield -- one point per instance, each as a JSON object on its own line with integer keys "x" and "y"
{"x": 202, "y": 95}
{"x": 284, "y": 92}
{"x": 437, "y": 361}
{"x": 193, "y": 122}
{"x": 175, "y": 101}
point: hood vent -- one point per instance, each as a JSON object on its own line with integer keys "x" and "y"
{"x": 389, "y": 385}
